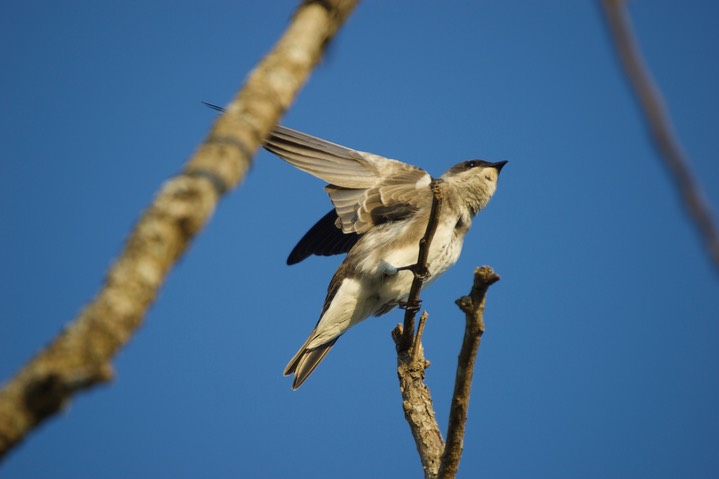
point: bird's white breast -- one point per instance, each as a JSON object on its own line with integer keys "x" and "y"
{"x": 400, "y": 248}
{"x": 371, "y": 287}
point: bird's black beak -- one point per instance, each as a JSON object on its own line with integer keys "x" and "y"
{"x": 498, "y": 165}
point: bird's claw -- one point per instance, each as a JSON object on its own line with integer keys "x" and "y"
{"x": 414, "y": 268}
{"x": 414, "y": 307}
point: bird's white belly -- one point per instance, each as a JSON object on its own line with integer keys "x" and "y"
{"x": 444, "y": 252}
{"x": 373, "y": 288}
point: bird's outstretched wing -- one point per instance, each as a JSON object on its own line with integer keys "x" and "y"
{"x": 366, "y": 189}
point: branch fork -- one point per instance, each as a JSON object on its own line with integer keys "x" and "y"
{"x": 439, "y": 459}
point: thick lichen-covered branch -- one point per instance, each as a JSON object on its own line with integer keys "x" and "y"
{"x": 81, "y": 355}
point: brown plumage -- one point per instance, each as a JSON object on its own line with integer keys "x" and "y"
{"x": 381, "y": 209}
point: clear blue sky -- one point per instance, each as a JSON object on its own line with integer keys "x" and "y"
{"x": 600, "y": 357}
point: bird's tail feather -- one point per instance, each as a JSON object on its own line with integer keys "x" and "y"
{"x": 306, "y": 360}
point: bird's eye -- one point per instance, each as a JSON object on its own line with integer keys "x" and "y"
{"x": 471, "y": 163}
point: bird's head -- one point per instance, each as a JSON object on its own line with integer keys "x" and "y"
{"x": 475, "y": 181}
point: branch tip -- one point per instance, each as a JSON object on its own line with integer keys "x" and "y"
{"x": 485, "y": 275}
{"x": 417, "y": 343}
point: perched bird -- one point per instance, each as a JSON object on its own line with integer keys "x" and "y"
{"x": 381, "y": 211}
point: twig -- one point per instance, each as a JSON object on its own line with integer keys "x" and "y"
{"x": 660, "y": 128}
{"x": 438, "y": 459}
{"x": 473, "y": 308}
{"x": 417, "y": 342}
{"x": 411, "y": 363}
{"x": 80, "y": 356}
{"x": 416, "y": 398}
{"x": 421, "y": 269}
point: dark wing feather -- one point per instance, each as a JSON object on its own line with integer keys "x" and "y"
{"x": 323, "y": 239}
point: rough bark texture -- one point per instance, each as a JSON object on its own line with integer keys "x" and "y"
{"x": 416, "y": 399}
{"x": 417, "y": 405}
{"x": 438, "y": 459}
{"x": 473, "y": 308}
{"x": 81, "y": 355}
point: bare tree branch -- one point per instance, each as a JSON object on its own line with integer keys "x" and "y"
{"x": 416, "y": 399}
{"x": 659, "y": 124}
{"x": 421, "y": 269}
{"x": 417, "y": 403}
{"x": 473, "y": 308}
{"x": 438, "y": 459}
{"x": 80, "y": 356}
